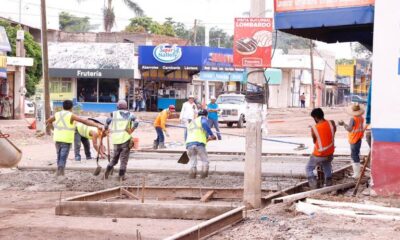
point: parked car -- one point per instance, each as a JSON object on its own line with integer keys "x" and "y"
{"x": 29, "y": 107}
{"x": 232, "y": 109}
{"x": 358, "y": 99}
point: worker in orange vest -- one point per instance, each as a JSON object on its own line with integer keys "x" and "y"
{"x": 356, "y": 133}
{"x": 160, "y": 126}
{"x": 323, "y": 134}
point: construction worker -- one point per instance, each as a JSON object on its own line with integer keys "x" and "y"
{"x": 355, "y": 135}
{"x": 188, "y": 113}
{"x": 160, "y": 126}
{"x": 213, "y": 110}
{"x": 64, "y": 131}
{"x": 323, "y": 135}
{"x": 83, "y": 134}
{"x": 121, "y": 125}
{"x": 198, "y": 134}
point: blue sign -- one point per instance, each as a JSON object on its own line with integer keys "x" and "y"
{"x": 167, "y": 54}
{"x": 221, "y": 76}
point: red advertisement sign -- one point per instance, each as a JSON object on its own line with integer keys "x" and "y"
{"x": 298, "y": 5}
{"x": 252, "y": 42}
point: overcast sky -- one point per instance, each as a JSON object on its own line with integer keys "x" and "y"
{"x": 213, "y": 12}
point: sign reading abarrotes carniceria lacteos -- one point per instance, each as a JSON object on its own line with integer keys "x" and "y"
{"x": 166, "y": 53}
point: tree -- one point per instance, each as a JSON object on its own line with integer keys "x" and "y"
{"x": 72, "y": 23}
{"x": 33, "y": 50}
{"x": 287, "y": 41}
{"x": 360, "y": 52}
{"x": 147, "y": 25}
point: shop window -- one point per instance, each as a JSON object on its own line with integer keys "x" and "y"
{"x": 87, "y": 89}
{"x": 108, "y": 90}
{"x": 66, "y": 85}
{"x": 54, "y": 86}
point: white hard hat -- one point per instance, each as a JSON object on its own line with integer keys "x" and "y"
{"x": 213, "y": 98}
{"x": 191, "y": 96}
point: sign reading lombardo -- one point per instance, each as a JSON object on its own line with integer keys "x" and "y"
{"x": 166, "y": 53}
{"x": 252, "y": 42}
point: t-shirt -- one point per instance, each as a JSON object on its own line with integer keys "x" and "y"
{"x": 212, "y": 115}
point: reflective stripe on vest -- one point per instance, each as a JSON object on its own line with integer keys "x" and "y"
{"x": 85, "y": 130}
{"x": 63, "y": 129}
{"x": 119, "y": 128}
{"x": 358, "y": 130}
{"x": 196, "y": 133}
{"x": 319, "y": 141}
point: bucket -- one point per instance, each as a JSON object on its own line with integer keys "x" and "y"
{"x": 10, "y": 154}
{"x": 136, "y": 143}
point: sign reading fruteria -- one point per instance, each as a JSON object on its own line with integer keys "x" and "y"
{"x": 252, "y": 42}
{"x": 166, "y": 53}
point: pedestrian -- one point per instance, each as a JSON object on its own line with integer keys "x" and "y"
{"x": 83, "y": 134}
{"x": 355, "y": 135}
{"x": 121, "y": 125}
{"x": 188, "y": 113}
{"x": 138, "y": 100}
{"x": 323, "y": 135}
{"x": 6, "y": 108}
{"x": 64, "y": 131}
{"x": 213, "y": 110}
{"x": 160, "y": 126}
{"x": 303, "y": 101}
{"x": 199, "y": 133}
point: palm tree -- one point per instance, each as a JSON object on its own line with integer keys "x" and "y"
{"x": 109, "y": 16}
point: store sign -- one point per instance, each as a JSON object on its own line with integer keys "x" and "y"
{"x": 221, "y": 76}
{"x": 252, "y": 42}
{"x": 166, "y": 53}
{"x": 20, "y": 61}
{"x": 91, "y": 73}
{"x": 300, "y": 5}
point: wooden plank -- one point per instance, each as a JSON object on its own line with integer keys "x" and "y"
{"x": 97, "y": 196}
{"x": 310, "y": 209}
{"x": 303, "y": 195}
{"x": 140, "y": 210}
{"x": 129, "y": 194}
{"x": 211, "y": 226}
{"x": 207, "y": 196}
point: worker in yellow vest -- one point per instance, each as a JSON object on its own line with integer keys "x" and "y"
{"x": 64, "y": 131}
{"x": 198, "y": 134}
{"x": 356, "y": 133}
{"x": 83, "y": 134}
{"x": 121, "y": 125}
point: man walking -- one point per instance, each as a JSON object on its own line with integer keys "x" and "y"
{"x": 213, "y": 110}
{"x": 160, "y": 126}
{"x": 323, "y": 134}
{"x": 188, "y": 113}
{"x": 199, "y": 133}
{"x": 303, "y": 101}
{"x": 355, "y": 135}
{"x": 64, "y": 131}
{"x": 83, "y": 134}
{"x": 122, "y": 125}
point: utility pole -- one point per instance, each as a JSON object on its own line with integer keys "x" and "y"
{"x": 206, "y": 83}
{"x": 20, "y": 10}
{"x": 19, "y": 83}
{"x": 312, "y": 74}
{"x": 45, "y": 62}
{"x": 195, "y": 33}
{"x": 252, "y": 167}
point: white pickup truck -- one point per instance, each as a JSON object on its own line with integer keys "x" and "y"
{"x": 232, "y": 109}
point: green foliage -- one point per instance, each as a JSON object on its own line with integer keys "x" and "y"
{"x": 344, "y": 61}
{"x": 72, "y": 23}
{"x": 361, "y": 52}
{"x": 33, "y": 50}
{"x": 148, "y": 25}
{"x": 287, "y": 41}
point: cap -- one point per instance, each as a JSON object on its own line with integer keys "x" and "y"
{"x": 203, "y": 112}
{"x": 171, "y": 108}
{"x": 213, "y": 98}
{"x": 191, "y": 96}
{"x": 122, "y": 104}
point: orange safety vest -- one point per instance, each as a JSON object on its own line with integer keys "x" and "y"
{"x": 325, "y": 139}
{"x": 357, "y": 132}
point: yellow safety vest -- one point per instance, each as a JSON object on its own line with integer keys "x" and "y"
{"x": 85, "y": 130}
{"x": 63, "y": 129}
{"x": 196, "y": 133}
{"x": 119, "y": 125}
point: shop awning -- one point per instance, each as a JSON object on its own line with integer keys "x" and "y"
{"x": 92, "y": 60}
{"x": 345, "y": 24}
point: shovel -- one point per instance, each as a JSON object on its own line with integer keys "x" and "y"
{"x": 184, "y": 159}
{"x": 108, "y": 153}
{"x": 98, "y": 168}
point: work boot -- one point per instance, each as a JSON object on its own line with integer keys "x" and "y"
{"x": 204, "y": 171}
{"x": 62, "y": 171}
{"x": 328, "y": 182}
{"x": 121, "y": 175}
{"x": 312, "y": 183}
{"x": 58, "y": 172}
{"x": 155, "y": 144}
{"x": 109, "y": 169}
{"x": 193, "y": 173}
{"x": 161, "y": 146}
{"x": 356, "y": 170}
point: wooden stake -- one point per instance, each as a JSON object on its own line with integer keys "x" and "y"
{"x": 362, "y": 173}
{"x": 129, "y": 194}
{"x": 207, "y": 196}
{"x": 143, "y": 187}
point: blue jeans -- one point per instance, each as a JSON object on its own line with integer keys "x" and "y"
{"x": 214, "y": 123}
{"x": 160, "y": 135}
{"x": 355, "y": 151}
{"x": 324, "y": 162}
{"x": 62, "y": 153}
{"x": 77, "y": 146}
{"x": 197, "y": 151}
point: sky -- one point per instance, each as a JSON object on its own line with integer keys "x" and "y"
{"x": 211, "y": 12}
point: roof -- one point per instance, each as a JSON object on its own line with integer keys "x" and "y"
{"x": 4, "y": 43}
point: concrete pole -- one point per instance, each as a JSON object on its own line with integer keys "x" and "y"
{"x": 207, "y": 44}
{"x": 45, "y": 62}
{"x": 252, "y": 168}
{"x": 313, "y": 95}
{"x": 19, "y": 83}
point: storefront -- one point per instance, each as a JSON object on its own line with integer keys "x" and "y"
{"x": 6, "y": 78}
{"x": 94, "y": 75}
{"x": 171, "y": 73}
